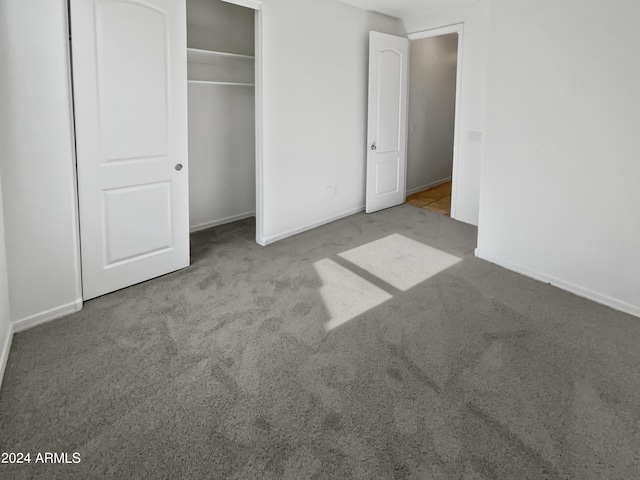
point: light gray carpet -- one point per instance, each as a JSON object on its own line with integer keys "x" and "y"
{"x": 301, "y": 360}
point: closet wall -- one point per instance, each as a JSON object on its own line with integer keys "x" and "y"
{"x": 220, "y": 37}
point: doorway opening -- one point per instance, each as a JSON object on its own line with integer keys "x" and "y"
{"x": 434, "y": 98}
{"x": 221, "y": 52}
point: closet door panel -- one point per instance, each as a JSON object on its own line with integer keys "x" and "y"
{"x": 127, "y": 132}
{"x": 130, "y": 96}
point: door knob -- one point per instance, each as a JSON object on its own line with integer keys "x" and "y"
{"x": 178, "y": 166}
{"x": 373, "y": 146}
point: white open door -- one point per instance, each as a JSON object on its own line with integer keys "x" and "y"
{"x": 387, "y": 128}
{"x": 130, "y": 98}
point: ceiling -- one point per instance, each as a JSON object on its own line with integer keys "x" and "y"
{"x": 405, "y": 8}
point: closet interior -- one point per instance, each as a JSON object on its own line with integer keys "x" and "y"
{"x": 221, "y": 76}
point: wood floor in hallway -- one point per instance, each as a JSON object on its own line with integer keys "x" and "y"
{"x": 436, "y": 199}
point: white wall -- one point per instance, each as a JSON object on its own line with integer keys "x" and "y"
{"x": 432, "y": 106}
{"x": 560, "y": 176}
{"x": 36, "y": 159}
{"x": 220, "y": 26}
{"x": 6, "y": 332}
{"x": 315, "y": 109}
{"x": 475, "y": 17}
{"x": 222, "y": 180}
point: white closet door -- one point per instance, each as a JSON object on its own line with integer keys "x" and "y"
{"x": 387, "y": 126}
{"x": 130, "y": 96}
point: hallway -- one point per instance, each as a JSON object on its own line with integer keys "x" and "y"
{"x": 436, "y": 199}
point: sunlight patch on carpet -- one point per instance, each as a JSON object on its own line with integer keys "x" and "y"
{"x": 346, "y": 294}
{"x": 400, "y": 261}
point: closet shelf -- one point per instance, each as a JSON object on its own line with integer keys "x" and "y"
{"x": 210, "y": 82}
{"x": 220, "y": 68}
{"x": 197, "y": 55}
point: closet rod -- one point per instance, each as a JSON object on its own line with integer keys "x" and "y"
{"x": 209, "y": 82}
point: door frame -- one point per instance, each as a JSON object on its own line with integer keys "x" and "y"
{"x": 436, "y": 32}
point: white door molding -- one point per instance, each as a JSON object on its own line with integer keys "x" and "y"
{"x": 260, "y": 233}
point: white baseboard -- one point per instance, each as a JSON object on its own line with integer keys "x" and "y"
{"x": 564, "y": 285}
{"x": 4, "y": 352}
{"x": 428, "y": 186}
{"x": 47, "y": 316}
{"x": 221, "y": 221}
{"x": 294, "y": 231}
